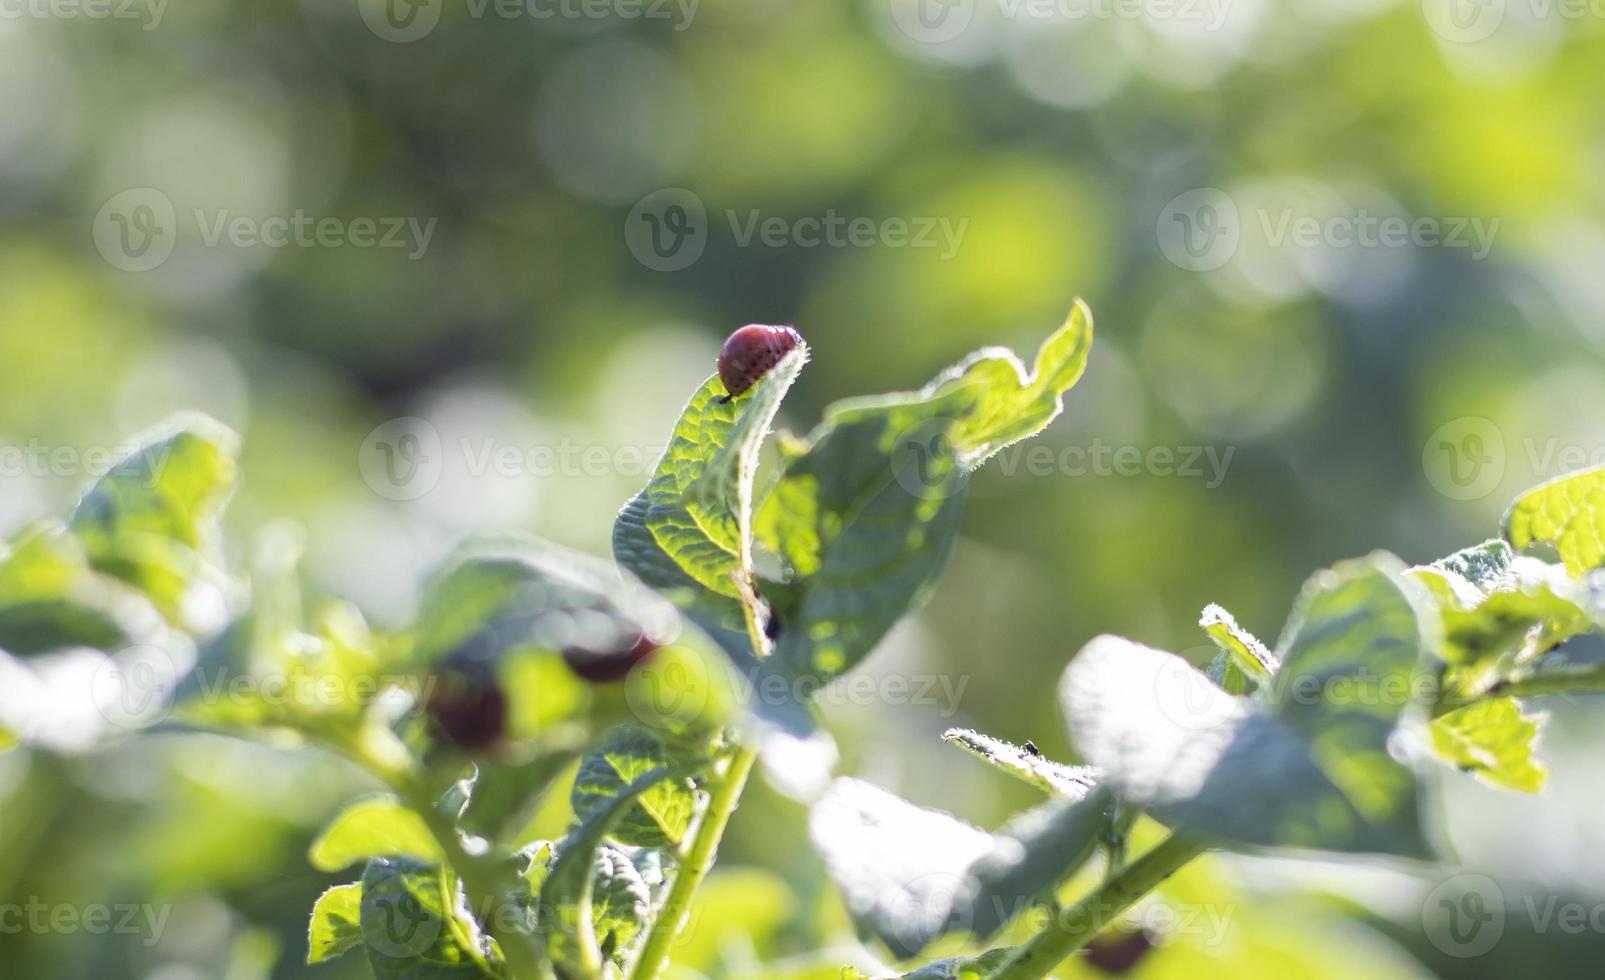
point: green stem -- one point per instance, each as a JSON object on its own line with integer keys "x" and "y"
{"x": 695, "y": 861}
{"x": 1074, "y": 927}
{"x": 1553, "y": 680}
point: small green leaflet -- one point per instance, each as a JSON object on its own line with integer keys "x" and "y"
{"x": 621, "y": 899}
{"x": 1071, "y": 782}
{"x": 152, "y": 520}
{"x": 1244, "y": 663}
{"x": 1493, "y": 740}
{"x": 51, "y": 599}
{"x": 911, "y": 875}
{"x": 659, "y": 815}
{"x": 1305, "y": 762}
{"x": 378, "y": 826}
{"x": 415, "y": 926}
{"x": 566, "y": 892}
{"x": 1568, "y": 513}
{"x": 336, "y": 923}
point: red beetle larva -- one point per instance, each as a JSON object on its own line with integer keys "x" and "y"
{"x": 750, "y": 352}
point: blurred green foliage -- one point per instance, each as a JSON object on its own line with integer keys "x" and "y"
{"x": 1327, "y": 372}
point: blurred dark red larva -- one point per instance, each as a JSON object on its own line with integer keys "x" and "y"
{"x": 750, "y": 352}
{"x": 607, "y": 666}
{"x": 466, "y": 704}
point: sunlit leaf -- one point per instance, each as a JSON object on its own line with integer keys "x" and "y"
{"x": 1493, "y": 740}
{"x": 1071, "y": 782}
{"x": 911, "y": 875}
{"x": 1244, "y": 663}
{"x": 378, "y": 826}
{"x": 866, "y": 514}
{"x": 1303, "y": 764}
{"x": 416, "y": 926}
{"x": 565, "y": 894}
{"x": 1568, "y": 513}
{"x": 690, "y": 526}
{"x": 657, "y": 816}
{"x": 336, "y": 924}
{"x": 152, "y": 519}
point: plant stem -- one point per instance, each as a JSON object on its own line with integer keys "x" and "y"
{"x": 695, "y": 861}
{"x": 1554, "y": 680}
{"x": 1074, "y": 927}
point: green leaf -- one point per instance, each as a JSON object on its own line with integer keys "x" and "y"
{"x": 866, "y": 514}
{"x": 375, "y": 827}
{"x": 1532, "y": 607}
{"x": 911, "y": 875}
{"x": 1303, "y": 764}
{"x": 657, "y": 816}
{"x": 1482, "y": 565}
{"x": 416, "y": 926}
{"x": 1568, "y": 513}
{"x": 565, "y": 894}
{"x": 1493, "y": 740}
{"x": 688, "y": 533}
{"x": 1244, "y": 663}
{"x": 1071, "y": 782}
{"x": 1013, "y": 405}
{"x": 621, "y": 900}
{"x": 152, "y": 520}
{"x": 51, "y": 599}
{"x": 336, "y": 923}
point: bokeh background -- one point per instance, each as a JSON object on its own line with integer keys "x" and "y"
{"x": 530, "y": 225}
